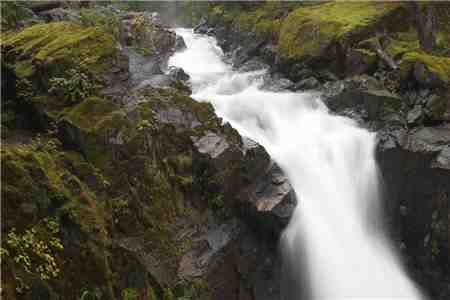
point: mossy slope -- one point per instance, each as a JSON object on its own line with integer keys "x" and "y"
{"x": 60, "y": 45}
{"x": 309, "y": 31}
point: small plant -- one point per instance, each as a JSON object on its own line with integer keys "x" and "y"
{"x": 107, "y": 21}
{"x": 35, "y": 251}
{"x": 75, "y": 87}
{"x": 130, "y": 294}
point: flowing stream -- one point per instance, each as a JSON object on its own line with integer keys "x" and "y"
{"x": 334, "y": 241}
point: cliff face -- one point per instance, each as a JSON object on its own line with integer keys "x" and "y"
{"x": 366, "y": 60}
{"x": 117, "y": 185}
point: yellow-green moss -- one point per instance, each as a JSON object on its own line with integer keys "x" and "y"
{"x": 265, "y": 21}
{"x": 402, "y": 43}
{"x": 438, "y": 65}
{"x": 62, "y": 44}
{"x": 90, "y": 112}
{"x": 307, "y": 30}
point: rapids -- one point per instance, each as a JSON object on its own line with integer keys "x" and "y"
{"x": 334, "y": 246}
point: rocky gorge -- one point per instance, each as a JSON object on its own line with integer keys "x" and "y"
{"x": 118, "y": 185}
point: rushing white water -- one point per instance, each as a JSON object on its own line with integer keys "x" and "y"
{"x": 333, "y": 239}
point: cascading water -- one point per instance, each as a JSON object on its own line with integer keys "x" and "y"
{"x": 333, "y": 239}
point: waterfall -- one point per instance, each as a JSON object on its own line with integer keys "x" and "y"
{"x": 334, "y": 242}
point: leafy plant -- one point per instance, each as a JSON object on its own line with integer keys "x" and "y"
{"x": 76, "y": 86}
{"x": 107, "y": 21}
{"x": 129, "y": 294}
{"x": 34, "y": 251}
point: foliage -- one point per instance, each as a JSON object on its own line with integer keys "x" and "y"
{"x": 107, "y": 21}
{"x": 129, "y": 294}
{"x": 12, "y": 13}
{"x": 76, "y": 86}
{"x": 35, "y": 250}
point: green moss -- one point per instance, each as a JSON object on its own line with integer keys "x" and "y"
{"x": 308, "y": 30}
{"x": 24, "y": 69}
{"x": 403, "y": 42}
{"x": 440, "y": 66}
{"x": 90, "y": 113}
{"x": 63, "y": 44}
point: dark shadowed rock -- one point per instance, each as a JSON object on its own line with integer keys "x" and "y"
{"x": 178, "y": 74}
{"x": 276, "y": 82}
{"x": 310, "y": 83}
{"x": 270, "y": 200}
{"x": 157, "y": 81}
{"x": 364, "y": 94}
{"x": 360, "y": 61}
{"x": 179, "y": 43}
{"x": 202, "y": 27}
{"x": 60, "y": 14}
{"x": 415, "y": 115}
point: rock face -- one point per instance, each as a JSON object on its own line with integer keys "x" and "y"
{"x": 135, "y": 185}
{"x": 373, "y": 70}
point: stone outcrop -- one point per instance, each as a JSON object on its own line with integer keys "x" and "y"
{"x": 130, "y": 182}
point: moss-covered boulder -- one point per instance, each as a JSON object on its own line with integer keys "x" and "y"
{"x": 50, "y": 49}
{"x": 57, "y": 65}
{"x": 321, "y": 33}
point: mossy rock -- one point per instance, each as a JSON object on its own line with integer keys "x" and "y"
{"x": 309, "y": 32}
{"x": 56, "y": 47}
{"x": 428, "y": 70}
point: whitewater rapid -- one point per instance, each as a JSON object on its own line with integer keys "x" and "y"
{"x": 334, "y": 241}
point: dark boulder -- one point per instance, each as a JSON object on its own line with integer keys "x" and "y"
{"x": 179, "y": 43}
{"x": 178, "y": 74}
{"x": 310, "y": 83}
{"x": 365, "y": 95}
{"x": 202, "y": 27}
{"x": 270, "y": 200}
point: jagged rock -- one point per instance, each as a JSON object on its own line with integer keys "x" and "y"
{"x": 276, "y": 82}
{"x": 178, "y": 74}
{"x": 365, "y": 94}
{"x": 202, "y": 27}
{"x": 253, "y": 64}
{"x": 179, "y": 43}
{"x": 270, "y": 200}
{"x": 310, "y": 83}
{"x": 415, "y": 115}
{"x": 60, "y": 14}
{"x": 428, "y": 140}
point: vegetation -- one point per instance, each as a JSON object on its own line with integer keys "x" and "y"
{"x": 61, "y": 45}
{"x": 307, "y": 31}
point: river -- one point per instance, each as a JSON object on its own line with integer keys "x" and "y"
{"x": 334, "y": 246}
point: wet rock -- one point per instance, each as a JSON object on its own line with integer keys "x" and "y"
{"x": 179, "y": 43}
{"x": 442, "y": 161}
{"x": 253, "y": 64}
{"x": 276, "y": 82}
{"x": 60, "y": 14}
{"x": 202, "y": 27}
{"x": 207, "y": 246}
{"x": 157, "y": 81}
{"x": 415, "y": 168}
{"x": 270, "y": 200}
{"x": 415, "y": 115}
{"x": 310, "y": 83}
{"x": 428, "y": 140}
{"x": 364, "y": 94}
{"x": 178, "y": 74}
